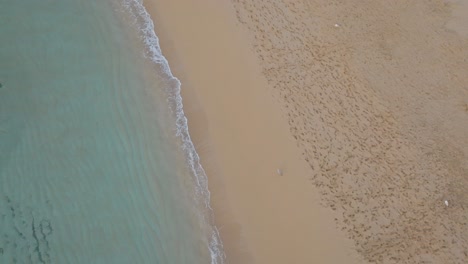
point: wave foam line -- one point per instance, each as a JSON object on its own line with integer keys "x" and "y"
{"x": 151, "y": 40}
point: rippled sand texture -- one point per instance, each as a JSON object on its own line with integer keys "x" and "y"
{"x": 376, "y": 97}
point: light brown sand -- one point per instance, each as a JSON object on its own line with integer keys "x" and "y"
{"x": 373, "y": 93}
{"x": 376, "y": 94}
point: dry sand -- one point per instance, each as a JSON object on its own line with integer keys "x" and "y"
{"x": 363, "y": 104}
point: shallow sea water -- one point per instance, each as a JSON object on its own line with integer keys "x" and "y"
{"x": 91, "y": 170}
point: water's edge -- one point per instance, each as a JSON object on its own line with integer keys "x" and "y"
{"x": 154, "y": 53}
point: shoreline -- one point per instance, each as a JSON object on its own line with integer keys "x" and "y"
{"x": 191, "y": 158}
{"x": 253, "y": 205}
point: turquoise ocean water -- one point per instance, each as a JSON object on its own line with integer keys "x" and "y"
{"x": 96, "y": 164}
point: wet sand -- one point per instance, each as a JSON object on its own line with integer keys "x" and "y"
{"x": 362, "y": 104}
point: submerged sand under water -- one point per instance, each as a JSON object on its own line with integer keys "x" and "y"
{"x": 91, "y": 170}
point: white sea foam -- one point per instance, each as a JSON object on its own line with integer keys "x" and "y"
{"x": 151, "y": 40}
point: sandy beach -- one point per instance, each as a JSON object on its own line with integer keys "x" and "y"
{"x": 362, "y": 105}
